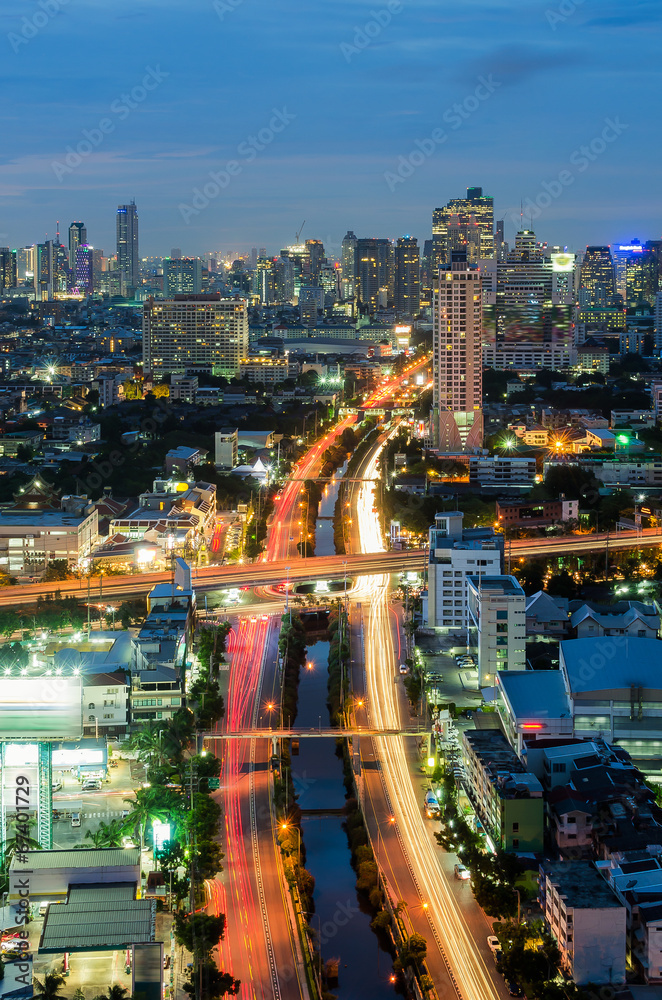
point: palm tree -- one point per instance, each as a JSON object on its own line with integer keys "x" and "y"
{"x": 148, "y": 742}
{"x": 147, "y": 806}
{"x": 48, "y": 988}
{"x": 115, "y": 993}
{"x": 108, "y": 834}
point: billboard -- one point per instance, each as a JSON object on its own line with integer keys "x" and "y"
{"x": 40, "y": 708}
{"x": 528, "y": 323}
{"x": 563, "y": 262}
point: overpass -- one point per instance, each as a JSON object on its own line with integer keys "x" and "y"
{"x": 299, "y": 570}
{"x": 302, "y": 734}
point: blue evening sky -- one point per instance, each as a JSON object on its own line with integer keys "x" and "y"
{"x": 358, "y": 95}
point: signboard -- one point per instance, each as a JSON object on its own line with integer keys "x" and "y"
{"x": 40, "y": 708}
{"x": 563, "y": 261}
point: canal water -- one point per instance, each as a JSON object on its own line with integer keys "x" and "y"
{"x": 343, "y": 927}
{"x": 324, "y": 545}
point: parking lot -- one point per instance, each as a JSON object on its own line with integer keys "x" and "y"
{"x": 94, "y": 807}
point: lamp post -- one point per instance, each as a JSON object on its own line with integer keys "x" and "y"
{"x": 285, "y": 827}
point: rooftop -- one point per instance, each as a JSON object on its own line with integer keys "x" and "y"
{"x": 103, "y": 857}
{"x": 611, "y": 663}
{"x": 499, "y": 584}
{"x": 534, "y": 694}
{"x": 110, "y": 921}
{"x": 581, "y": 885}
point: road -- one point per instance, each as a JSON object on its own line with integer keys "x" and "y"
{"x": 259, "y": 947}
{"x": 458, "y": 959}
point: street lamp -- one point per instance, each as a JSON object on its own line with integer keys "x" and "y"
{"x": 285, "y": 827}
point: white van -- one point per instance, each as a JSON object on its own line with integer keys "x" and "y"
{"x": 75, "y": 819}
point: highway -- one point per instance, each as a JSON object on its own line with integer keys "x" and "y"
{"x": 276, "y": 570}
{"x": 457, "y": 954}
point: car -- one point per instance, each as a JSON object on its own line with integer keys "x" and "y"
{"x": 56, "y": 786}
{"x": 13, "y": 944}
{"x": 514, "y": 988}
{"x": 125, "y": 813}
{"x": 128, "y": 842}
{"x": 404, "y": 669}
{"x": 493, "y": 943}
{"x": 265, "y": 618}
{"x": 75, "y": 819}
{"x": 91, "y": 786}
{"x": 253, "y": 619}
{"x": 461, "y": 872}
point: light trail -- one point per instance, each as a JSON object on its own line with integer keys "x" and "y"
{"x": 446, "y": 918}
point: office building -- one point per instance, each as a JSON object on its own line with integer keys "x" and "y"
{"x": 128, "y": 260}
{"x": 8, "y": 268}
{"x": 457, "y": 553}
{"x": 528, "y": 307}
{"x": 77, "y": 238}
{"x": 84, "y": 269}
{"x": 182, "y": 276}
{"x": 457, "y": 416}
{"x": 195, "y": 332}
{"x": 315, "y": 250}
{"x": 497, "y": 622}
{"x": 348, "y": 261}
{"x": 375, "y": 273}
{"x": 597, "y": 274}
{"x": 587, "y": 920}
{"x": 463, "y": 224}
{"x": 407, "y": 276}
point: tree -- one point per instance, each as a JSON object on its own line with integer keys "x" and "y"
{"x": 115, "y": 992}
{"x": 199, "y": 933}
{"x": 148, "y": 805}
{"x": 49, "y": 987}
{"x": 108, "y": 834}
{"x": 57, "y": 569}
{"x": 212, "y": 983}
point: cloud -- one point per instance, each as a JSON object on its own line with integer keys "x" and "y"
{"x": 515, "y": 64}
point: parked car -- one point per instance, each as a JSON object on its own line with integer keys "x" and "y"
{"x": 514, "y": 988}
{"x": 91, "y": 786}
{"x": 404, "y": 669}
{"x": 461, "y": 872}
{"x": 56, "y": 786}
{"x": 493, "y": 943}
{"x": 75, "y": 819}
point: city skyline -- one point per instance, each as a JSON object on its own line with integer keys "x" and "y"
{"x": 506, "y": 100}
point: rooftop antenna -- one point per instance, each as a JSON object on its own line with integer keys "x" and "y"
{"x": 521, "y": 215}
{"x": 300, "y": 231}
{"x": 57, "y": 233}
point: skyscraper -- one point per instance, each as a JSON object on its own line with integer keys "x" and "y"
{"x": 85, "y": 269}
{"x": 528, "y": 306}
{"x": 348, "y": 261}
{"x": 128, "y": 261}
{"x": 8, "y": 270}
{"x": 77, "y": 238}
{"x": 457, "y": 416}
{"x": 182, "y": 276}
{"x": 375, "y": 272}
{"x": 407, "y": 276}
{"x": 192, "y": 332}
{"x": 316, "y": 258}
{"x": 464, "y": 224}
{"x": 597, "y": 275}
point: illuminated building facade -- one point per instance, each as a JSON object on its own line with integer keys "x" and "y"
{"x": 463, "y": 224}
{"x": 457, "y": 416}
{"x": 77, "y": 238}
{"x": 128, "y": 260}
{"x": 182, "y": 276}
{"x": 195, "y": 332}
{"x": 407, "y": 276}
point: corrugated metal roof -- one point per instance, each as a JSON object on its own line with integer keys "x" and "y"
{"x": 100, "y": 892}
{"x": 103, "y": 857}
{"x": 97, "y": 926}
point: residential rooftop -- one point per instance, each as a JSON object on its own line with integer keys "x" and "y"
{"x": 581, "y": 885}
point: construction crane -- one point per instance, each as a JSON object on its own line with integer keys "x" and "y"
{"x": 300, "y": 231}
